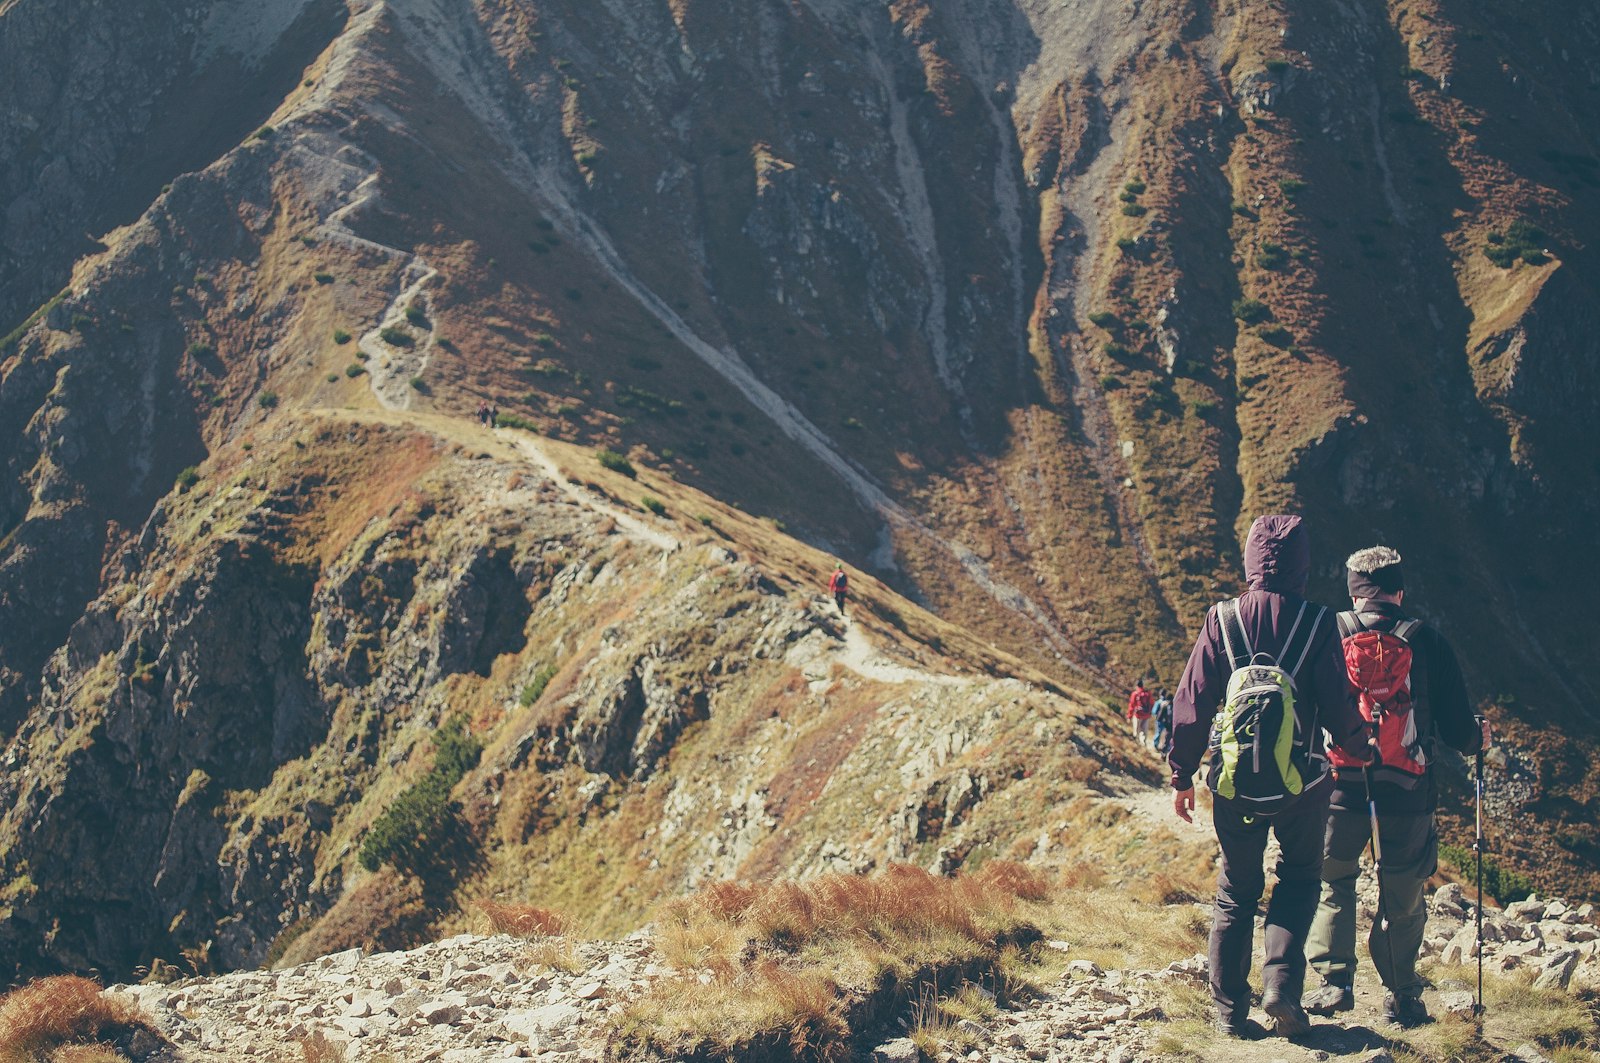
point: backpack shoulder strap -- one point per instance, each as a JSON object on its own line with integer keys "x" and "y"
{"x": 1350, "y": 623}
{"x": 1406, "y": 629}
{"x": 1304, "y": 644}
{"x": 1234, "y": 639}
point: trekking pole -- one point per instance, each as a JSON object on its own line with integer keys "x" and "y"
{"x": 1477, "y": 851}
{"x": 1377, "y": 863}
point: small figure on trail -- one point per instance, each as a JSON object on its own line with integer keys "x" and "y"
{"x": 483, "y": 413}
{"x": 1139, "y": 705}
{"x": 494, "y": 416}
{"x": 1161, "y": 713}
{"x": 1410, "y": 685}
{"x": 1268, "y": 769}
{"x": 839, "y": 585}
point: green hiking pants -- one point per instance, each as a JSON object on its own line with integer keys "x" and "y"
{"x": 1410, "y": 856}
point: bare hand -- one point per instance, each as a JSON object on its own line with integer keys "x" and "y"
{"x": 1183, "y": 804}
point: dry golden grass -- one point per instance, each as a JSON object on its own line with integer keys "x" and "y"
{"x": 555, "y": 953}
{"x": 43, "y": 1017}
{"x": 522, "y": 920}
{"x": 783, "y": 964}
{"x": 1515, "y": 1013}
{"x": 318, "y": 1047}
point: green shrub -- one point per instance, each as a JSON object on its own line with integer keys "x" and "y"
{"x": 1291, "y": 186}
{"x": 1116, "y": 350}
{"x": 1127, "y": 244}
{"x": 267, "y": 400}
{"x": 187, "y": 478}
{"x": 264, "y": 132}
{"x": 340, "y": 336}
{"x": 1110, "y": 383}
{"x": 1134, "y": 187}
{"x": 854, "y": 424}
{"x": 354, "y": 369}
{"x": 705, "y": 519}
{"x": 200, "y": 349}
{"x": 648, "y": 401}
{"x": 511, "y": 420}
{"x": 322, "y": 277}
{"x": 332, "y": 377}
{"x": 395, "y": 336}
{"x": 407, "y": 833}
{"x": 535, "y": 688}
{"x": 1521, "y": 242}
{"x": 1104, "y": 319}
{"x": 1501, "y": 883}
{"x": 1241, "y": 208}
{"x": 654, "y": 505}
{"x": 1270, "y": 256}
{"x": 1277, "y": 66}
{"x": 415, "y": 315}
{"x": 1251, "y": 311}
{"x": 610, "y": 459}
{"x": 1201, "y": 408}
{"x": 419, "y": 384}
{"x": 1135, "y": 210}
{"x": 543, "y": 340}
{"x": 1276, "y": 335}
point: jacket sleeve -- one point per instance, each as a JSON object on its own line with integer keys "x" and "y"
{"x": 1195, "y": 704}
{"x": 1447, "y": 697}
{"x": 1337, "y": 710}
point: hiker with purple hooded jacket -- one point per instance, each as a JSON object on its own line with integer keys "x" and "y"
{"x": 1270, "y": 624}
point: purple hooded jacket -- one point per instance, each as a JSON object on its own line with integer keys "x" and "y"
{"x": 1277, "y": 560}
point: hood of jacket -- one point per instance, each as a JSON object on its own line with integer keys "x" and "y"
{"x": 1277, "y": 555}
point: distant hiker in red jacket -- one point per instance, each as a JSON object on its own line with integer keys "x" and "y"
{"x": 1140, "y": 704}
{"x": 838, "y": 586}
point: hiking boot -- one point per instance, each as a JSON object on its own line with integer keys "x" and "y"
{"x": 1288, "y": 1017}
{"x": 1405, "y": 1010}
{"x": 1242, "y": 1027}
{"x": 1331, "y": 998}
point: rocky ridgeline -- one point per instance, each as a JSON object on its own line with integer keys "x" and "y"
{"x": 470, "y": 998}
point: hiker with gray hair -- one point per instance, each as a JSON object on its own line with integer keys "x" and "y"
{"x": 1410, "y": 686}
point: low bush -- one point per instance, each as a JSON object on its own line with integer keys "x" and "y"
{"x": 1502, "y": 883}
{"x": 267, "y": 400}
{"x": 419, "y": 385}
{"x": 322, "y": 277}
{"x": 1135, "y": 210}
{"x": 535, "y": 688}
{"x": 653, "y": 505}
{"x": 1104, "y": 319}
{"x": 610, "y": 459}
{"x": 187, "y": 478}
{"x": 416, "y": 316}
{"x": 1270, "y": 256}
{"x": 511, "y": 420}
{"x": 395, "y": 336}
{"x": 407, "y": 832}
{"x": 1291, "y": 186}
{"x": 200, "y": 349}
{"x": 1251, "y": 311}
{"x": 340, "y": 336}
{"x": 354, "y": 369}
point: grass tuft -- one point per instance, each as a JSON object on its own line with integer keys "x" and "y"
{"x": 522, "y": 920}
{"x": 47, "y": 1015}
{"x": 784, "y": 966}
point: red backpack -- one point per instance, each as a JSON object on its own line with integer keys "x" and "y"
{"x": 1379, "y": 666}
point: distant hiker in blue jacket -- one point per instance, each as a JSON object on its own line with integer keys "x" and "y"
{"x": 1271, "y": 618}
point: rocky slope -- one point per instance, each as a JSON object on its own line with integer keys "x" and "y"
{"x": 472, "y": 998}
{"x": 1024, "y": 309}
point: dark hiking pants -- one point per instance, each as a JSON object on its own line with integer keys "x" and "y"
{"x": 1240, "y": 883}
{"x": 1410, "y": 856}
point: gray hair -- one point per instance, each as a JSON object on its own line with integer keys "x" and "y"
{"x": 1372, "y": 559}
